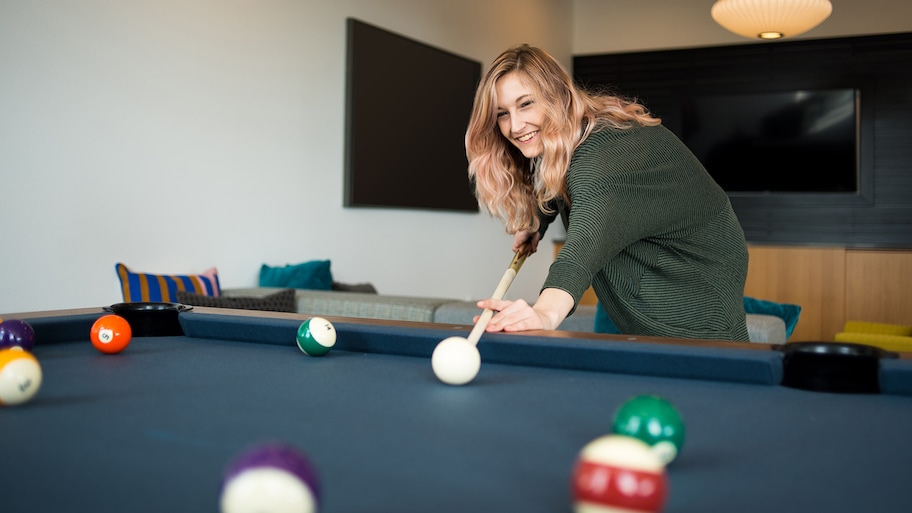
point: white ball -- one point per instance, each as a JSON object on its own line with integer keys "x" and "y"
{"x": 456, "y": 361}
{"x": 267, "y": 489}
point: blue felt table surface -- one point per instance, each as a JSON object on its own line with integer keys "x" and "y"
{"x": 153, "y": 428}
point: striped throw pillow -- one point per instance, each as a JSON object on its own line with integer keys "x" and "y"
{"x": 144, "y": 287}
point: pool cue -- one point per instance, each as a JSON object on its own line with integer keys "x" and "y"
{"x": 499, "y": 292}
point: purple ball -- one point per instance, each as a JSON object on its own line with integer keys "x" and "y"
{"x": 16, "y": 333}
{"x": 273, "y": 456}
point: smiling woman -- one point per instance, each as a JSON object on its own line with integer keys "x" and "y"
{"x": 651, "y": 232}
{"x": 518, "y": 115}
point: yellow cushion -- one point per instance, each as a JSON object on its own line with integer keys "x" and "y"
{"x": 887, "y": 342}
{"x": 878, "y": 328}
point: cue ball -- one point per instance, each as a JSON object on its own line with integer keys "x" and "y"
{"x": 20, "y": 376}
{"x": 618, "y": 473}
{"x": 111, "y": 334}
{"x": 456, "y": 361}
{"x": 653, "y": 420}
{"x": 17, "y": 333}
{"x": 270, "y": 478}
{"x": 316, "y": 336}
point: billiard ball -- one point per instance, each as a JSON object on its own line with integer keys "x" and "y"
{"x": 653, "y": 420}
{"x": 17, "y": 333}
{"x": 316, "y": 336}
{"x": 456, "y": 361}
{"x": 111, "y": 334}
{"x": 20, "y": 376}
{"x": 272, "y": 477}
{"x": 618, "y": 473}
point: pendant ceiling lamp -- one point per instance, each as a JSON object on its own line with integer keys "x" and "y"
{"x": 770, "y": 19}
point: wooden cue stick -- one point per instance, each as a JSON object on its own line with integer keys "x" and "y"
{"x": 499, "y": 292}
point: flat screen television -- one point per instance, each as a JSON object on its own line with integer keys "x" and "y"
{"x": 407, "y": 110}
{"x": 801, "y": 141}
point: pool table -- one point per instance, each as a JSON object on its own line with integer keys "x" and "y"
{"x": 152, "y": 429}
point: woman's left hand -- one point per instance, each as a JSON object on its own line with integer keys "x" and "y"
{"x": 549, "y": 311}
{"x": 512, "y": 316}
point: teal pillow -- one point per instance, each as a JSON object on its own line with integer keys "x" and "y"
{"x": 603, "y": 323}
{"x": 313, "y": 275}
{"x": 787, "y": 312}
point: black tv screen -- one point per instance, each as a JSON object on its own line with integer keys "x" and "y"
{"x": 407, "y": 110}
{"x": 797, "y": 141}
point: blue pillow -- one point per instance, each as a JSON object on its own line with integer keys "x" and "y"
{"x": 603, "y": 323}
{"x": 313, "y": 275}
{"x": 787, "y": 312}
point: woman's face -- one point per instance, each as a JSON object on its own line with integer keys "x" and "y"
{"x": 519, "y": 115}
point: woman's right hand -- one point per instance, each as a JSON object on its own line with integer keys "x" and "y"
{"x": 526, "y": 241}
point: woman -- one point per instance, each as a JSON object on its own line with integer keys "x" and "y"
{"x": 647, "y": 227}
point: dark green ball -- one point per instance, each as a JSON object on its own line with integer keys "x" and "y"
{"x": 653, "y": 420}
{"x": 316, "y": 336}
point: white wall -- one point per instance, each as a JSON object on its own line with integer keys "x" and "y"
{"x": 175, "y": 135}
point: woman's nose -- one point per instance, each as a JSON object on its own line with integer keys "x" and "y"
{"x": 517, "y": 124}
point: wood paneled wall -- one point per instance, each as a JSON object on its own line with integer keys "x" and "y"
{"x": 813, "y": 278}
{"x": 879, "y": 286}
{"x": 833, "y": 285}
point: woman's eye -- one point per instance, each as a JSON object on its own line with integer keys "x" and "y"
{"x": 501, "y": 114}
{"x": 526, "y": 104}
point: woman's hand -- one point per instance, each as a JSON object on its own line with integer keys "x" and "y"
{"x": 549, "y": 311}
{"x": 527, "y": 241}
{"x": 512, "y": 316}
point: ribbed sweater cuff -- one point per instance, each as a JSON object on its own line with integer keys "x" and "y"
{"x": 569, "y": 277}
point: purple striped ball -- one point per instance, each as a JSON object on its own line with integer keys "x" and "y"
{"x": 271, "y": 477}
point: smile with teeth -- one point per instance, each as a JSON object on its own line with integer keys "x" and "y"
{"x": 528, "y": 137}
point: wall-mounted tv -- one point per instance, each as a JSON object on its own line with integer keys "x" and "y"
{"x": 407, "y": 110}
{"x": 801, "y": 141}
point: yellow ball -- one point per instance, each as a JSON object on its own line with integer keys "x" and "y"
{"x": 20, "y": 376}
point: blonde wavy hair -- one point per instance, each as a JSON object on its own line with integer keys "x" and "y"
{"x": 509, "y": 185}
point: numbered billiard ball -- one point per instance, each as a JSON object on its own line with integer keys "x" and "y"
{"x": 20, "y": 376}
{"x": 653, "y": 420}
{"x": 111, "y": 334}
{"x": 316, "y": 336}
{"x": 618, "y": 473}
{"x": 273, "y": 477}
{"x": 17, "y": 333}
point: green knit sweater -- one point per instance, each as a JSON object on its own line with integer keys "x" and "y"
{"x": 654, "y": 235}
